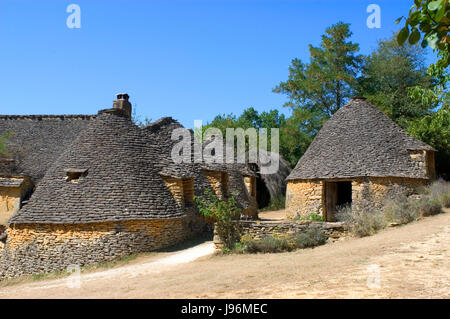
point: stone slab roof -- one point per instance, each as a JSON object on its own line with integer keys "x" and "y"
{"x": 121, "y": 181}
{"x": 113, "y": 171}
{"x": 359, "y": 140}
{"x": 36, "y": 141}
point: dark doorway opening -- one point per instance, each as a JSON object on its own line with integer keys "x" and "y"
{"x": 262, "y": 193}
{"x": 344, "y": 193}
{"x": 337, "y": 194}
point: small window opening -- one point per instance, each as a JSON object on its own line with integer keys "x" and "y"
{"x": 74, "y": 175}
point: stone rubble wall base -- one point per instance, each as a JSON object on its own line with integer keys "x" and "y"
{"x": 259, "y": 229}
{"x": 43, "y": 248}
{"x": 304, "y": 197}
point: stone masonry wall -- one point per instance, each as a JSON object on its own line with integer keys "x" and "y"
{"x": 175, "y": 186}
{"x": 260, "y": 229}
{"x": 9, "y": 202}
{"x": 215, "y": 180}
{"x": 304, "y": 198}
{"x": 10, "y": 199}
{"x": 372, "y": 192}
{"x": 38, "y": 248}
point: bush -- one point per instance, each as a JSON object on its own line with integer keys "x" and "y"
{"x": 224, "y": 213}
{"x": 404, "y": 210}
{"x": 310, "y": 237}
{"x": 426, "y": 207}
{"x": 439, "y": 192}
{"x": 361, "y": 223}
{"x": 268, "y": 244}
{"x": 400, "y": 210}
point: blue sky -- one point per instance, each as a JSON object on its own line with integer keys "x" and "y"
{"x": 186, "y": 59}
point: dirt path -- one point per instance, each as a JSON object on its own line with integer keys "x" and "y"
{"x": 273, "y": 215}
{"x": 411, "y": 261}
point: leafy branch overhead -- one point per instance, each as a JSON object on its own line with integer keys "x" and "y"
{"x": 430, "y": 18}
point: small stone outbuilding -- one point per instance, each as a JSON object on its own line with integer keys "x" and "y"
{"x": 360, "y": 158}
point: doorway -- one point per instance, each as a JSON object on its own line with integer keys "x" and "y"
{"x": 337, "y": 194}
{"x": 262, "y": 193}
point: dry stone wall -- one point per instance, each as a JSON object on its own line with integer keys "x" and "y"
{"x": 217, "y": 182}
{"x": 11, "y": 197}
{"x": 304, "y": 198}
{"x": 39, "y": 248}
{"x": 373, "y": 192}
{"x": 259, "y": 229}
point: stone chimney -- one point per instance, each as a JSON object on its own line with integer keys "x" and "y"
{"x": 122, "y": 103}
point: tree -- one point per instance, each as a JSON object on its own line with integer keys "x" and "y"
{"x": 251, "y": 118}
{"x": 224, "y": 213}
{"x": 318, "y": 89}
{"x": 434, "y": 129}
{"x": 429, "y": 20}
{"x": 432, "y": 19}
{"x": 388, "y": 73}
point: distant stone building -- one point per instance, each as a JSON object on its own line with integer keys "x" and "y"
{"x": 360, "y": 157}
{"x": 85, "y": 189}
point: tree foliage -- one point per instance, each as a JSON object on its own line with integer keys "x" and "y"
{"x": 428, "y": 20}
{"x": 434, "y": 130}
{"x": 251, "y": 118}
{"x": 223, "y": 213}
{"x": 318, "y": 89}
{"x": 387, "y": 74}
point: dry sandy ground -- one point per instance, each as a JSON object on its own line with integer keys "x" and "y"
{"x": 411, "y": 261}
{"x": 273, "y": 215}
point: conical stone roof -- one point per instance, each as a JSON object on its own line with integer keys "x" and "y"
{"x": 360, "y": 140}
{"x": 122, "y": 181}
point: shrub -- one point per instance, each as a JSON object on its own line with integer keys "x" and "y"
{"x": 399, "y": 210}
{"x": 311, "y": 237}
{"x": 361, "y": 223}
{"x": 312, "y": 216}
{"x": 404, "y": 210}
{"x": 267, "y": 244}
{"x": 439, "y": 192}
{"x": 224, "y": 213}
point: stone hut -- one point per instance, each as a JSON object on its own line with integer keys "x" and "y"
{"x": 34, "y": 144}
{"x": 109, "y": 189}
{"x": 360, "y": 158}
